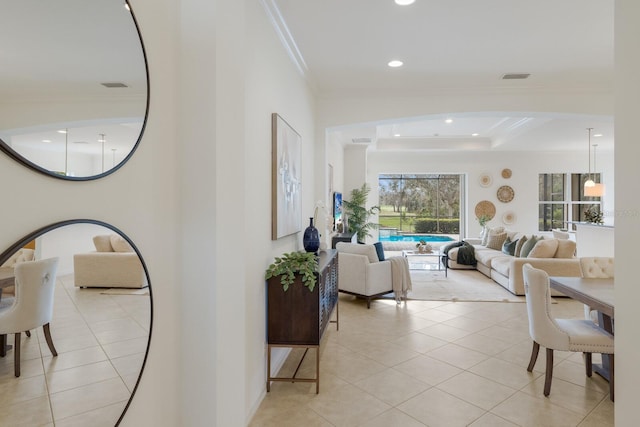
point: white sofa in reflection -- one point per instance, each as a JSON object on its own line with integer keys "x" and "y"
{"x": 114, "y": 264}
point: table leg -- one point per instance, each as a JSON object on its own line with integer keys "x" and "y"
{"x": 603, "y": 369}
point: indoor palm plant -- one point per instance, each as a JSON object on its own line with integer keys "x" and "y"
{"x": 358, "y": 214}
{"x": 292, "y": 263}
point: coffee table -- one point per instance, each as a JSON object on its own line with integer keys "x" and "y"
{"x": 435, "y": 261}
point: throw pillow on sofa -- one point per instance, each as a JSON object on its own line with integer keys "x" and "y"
{"x": 521, "y": 242}
{"x": 495, "y": 241}
{"x": 120, "y": 244}
{"x": 544, "y": 249}
{"x": 528, "y": 245}
{"x": 103, "y": 243}
{"x": 490, "y": 232}
{"x": 566, "y": 249}
{"x": 509, "y": 247}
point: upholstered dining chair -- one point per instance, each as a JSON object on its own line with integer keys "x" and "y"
{"x": 560, "y": 334}
{"x": 33, "y": 303}
{"x": 597, "y": 268}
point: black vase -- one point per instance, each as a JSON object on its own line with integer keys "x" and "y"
{"x": 311, "y": 238}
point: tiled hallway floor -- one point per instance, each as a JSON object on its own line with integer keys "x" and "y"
{"x": 436, "y": 363}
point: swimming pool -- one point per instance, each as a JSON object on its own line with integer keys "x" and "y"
{"x": 415, "y": 238}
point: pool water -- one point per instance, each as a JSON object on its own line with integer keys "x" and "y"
{"x": 415, "y": 238}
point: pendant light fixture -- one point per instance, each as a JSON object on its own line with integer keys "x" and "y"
{"x": 591, "y": 189}
{"x": 589, "y": 183}
{"x": 598, "y": 189}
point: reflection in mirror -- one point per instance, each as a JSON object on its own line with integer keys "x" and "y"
{"x": 73, "y": 85}
{"x": 101, "y": 328}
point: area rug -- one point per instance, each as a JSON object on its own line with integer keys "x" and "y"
{"x": 459, "y": 285}
{"x": 125, "y": 291}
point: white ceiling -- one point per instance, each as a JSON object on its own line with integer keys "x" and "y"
{"x": 344, "y": 46}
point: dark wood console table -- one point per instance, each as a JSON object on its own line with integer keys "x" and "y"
{"x": 298, "y": 318}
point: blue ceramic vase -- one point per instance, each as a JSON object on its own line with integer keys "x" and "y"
{"x": 311, "y": 238}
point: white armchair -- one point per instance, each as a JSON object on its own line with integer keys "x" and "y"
{"x": 360, "y": 272}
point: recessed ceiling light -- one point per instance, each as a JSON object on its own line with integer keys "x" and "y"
{"x": 46, "y": 140}
{"x": 597, "y": 135}
{"x": 475, "y": 134}
{"x": 448, "y": 121}
{"x": 404, "y": 2}
{"x": 395, "y": 63}
{"x": 396, "y": 135}
{"x": 62, "y": 131}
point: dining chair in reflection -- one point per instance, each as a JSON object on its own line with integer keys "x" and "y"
{"x": 33, "y": 303}
{"x": 578, "y": 335}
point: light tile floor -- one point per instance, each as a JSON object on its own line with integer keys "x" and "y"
{"x": 436, "y": 363}
{"x": 101, "y": 341}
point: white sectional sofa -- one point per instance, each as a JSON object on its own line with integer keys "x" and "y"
{"x": 114, "y": 264}
{"x": 555, "y": 256}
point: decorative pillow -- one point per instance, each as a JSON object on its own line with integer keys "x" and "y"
{"x": 495, "y": 241}
{"x": 491, "y": 231}
{"x": 528, "y": 245}
{"x": 544, "y": 249}
{"x": 566, "y": 249}
{"x": 379, "y": 250}
{"x": 120, "y": 244}
{"x": 509, "y": 247}
{"x": 103, "y": 243}
{"x": 519, "y": 245}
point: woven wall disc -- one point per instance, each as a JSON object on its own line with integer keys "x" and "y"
{"x": 487, "y": 208}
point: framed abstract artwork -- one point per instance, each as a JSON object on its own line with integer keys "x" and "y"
{"x": 286, "y": 162}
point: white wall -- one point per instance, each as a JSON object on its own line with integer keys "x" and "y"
{"x": 627, "y": 210}
{"x": 525, "y": 167}
{"x": 273, "y": 85}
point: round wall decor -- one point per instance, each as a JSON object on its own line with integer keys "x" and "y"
{"x": 505, "y": 194}
{"x": 506, "y": 173}
{"x": 508, "y": 218}
{"x": 485, "y": 179}
{"x": 485, "y": 208}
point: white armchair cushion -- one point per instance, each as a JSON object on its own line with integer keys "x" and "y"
{"x": 355, "y": 248}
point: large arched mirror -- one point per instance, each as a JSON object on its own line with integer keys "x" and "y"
{"x": 101, "y": 327}
{"x": 73, "y": 86}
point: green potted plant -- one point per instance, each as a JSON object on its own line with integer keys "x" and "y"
{"x": 593, "y": 215}
{"x": 292, "y": 263}
{"x": 358, "y": 214}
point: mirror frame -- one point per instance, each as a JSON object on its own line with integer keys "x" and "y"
{"x": 29, "y": 164}
{"x": 43, "y": 230}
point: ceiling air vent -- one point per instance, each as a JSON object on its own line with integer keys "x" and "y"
{"x": 114, "y": 84}
{"x": 361, "y": 140}
{"x": 515, "y": 76}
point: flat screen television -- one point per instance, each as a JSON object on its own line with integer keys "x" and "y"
{"x": 337, "y": 210}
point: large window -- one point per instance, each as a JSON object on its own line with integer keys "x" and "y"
{"x": 561, "y": 199}
{"x": 420, "y": 203}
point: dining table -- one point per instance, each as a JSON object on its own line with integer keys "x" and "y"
{"x": 598, "y": 294}
{"x": 7, "y": 279}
